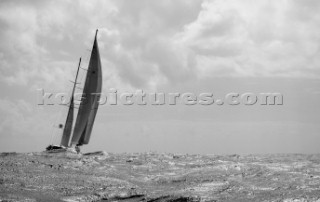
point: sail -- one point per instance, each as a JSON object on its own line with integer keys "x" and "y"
{"x": 69, "y": 121}
{"x": 68, "y": 126}
{"x": 90, "y": 100}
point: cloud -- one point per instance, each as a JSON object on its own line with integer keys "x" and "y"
{"x": 148, "y": 44}
{"x": 35, "y": 38}
{"x": 143, "y": 49}
{"x": 250, "y": 38}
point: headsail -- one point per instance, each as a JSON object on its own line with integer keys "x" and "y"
{"x": 69, "y": 121}
{"x": 90, "y": 101}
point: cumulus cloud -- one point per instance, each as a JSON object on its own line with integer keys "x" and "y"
{"x": 249, "y": 38}
{"x": 148, "y": 44}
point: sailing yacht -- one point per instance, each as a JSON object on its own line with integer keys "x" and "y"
{"x": 73, "y": 138}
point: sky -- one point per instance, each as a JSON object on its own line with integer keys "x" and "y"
{"x": 202, "y": 46}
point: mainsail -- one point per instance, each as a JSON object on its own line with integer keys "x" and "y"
{"x": 69, "y": 121}
{"x": 90, "y": 99}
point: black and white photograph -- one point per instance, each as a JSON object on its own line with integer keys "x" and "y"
{"x": 159, "y": 100}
